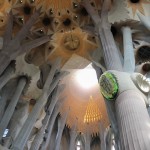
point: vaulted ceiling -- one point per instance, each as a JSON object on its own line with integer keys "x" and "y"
{"x": 63, "y": 21}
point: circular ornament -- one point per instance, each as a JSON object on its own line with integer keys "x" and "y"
{"x": 108, "y": 85}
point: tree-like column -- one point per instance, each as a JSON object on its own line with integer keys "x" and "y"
{"x": 50, "y": 84}
{"x": 11, "y": 107}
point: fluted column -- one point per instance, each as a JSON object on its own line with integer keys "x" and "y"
{"x": 11, "y": 107}
{"x": 39, "y": 137}
{"x": 73, "y": 135}
{"x": 49, "y": 86}
{"x": 133, "y": 121}
{"x": 129, "y": 58}
{"x": 111, "y": 56}
{"x": 61, "y": 125}
{"x": 17, "y": 121}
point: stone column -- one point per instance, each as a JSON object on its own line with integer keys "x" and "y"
{"x": 7, "y": 74}
{"x": 49, "y": 86}
{"x": 50, "y": 125}
{"x": 11, "y": 107}
{"x": 102, "y": 136}
{"x": 3, "y": 101}
{"x": 129, "y": 58}
{"x": 14, "y": 47}
{"x": 39, "y": 137}
{"x": 109, "y": 139}
{"x": 17, "y": 121}
{"x": 133, "y": 121}
{"x": 87, "y": 140}
{"x": 73, "y": 135}
{"x": 110, "y": 52}
{"x": 61, "y": 125}
{"x": 145, "y": 20}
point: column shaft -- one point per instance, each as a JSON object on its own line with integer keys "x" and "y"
{"x": 3, "y": 101}
{"x": 111, "y": 56}
{"x": 61, "y": 125}
{"x": 17, "y": 121}
{"x": 133, "y": 121}
{"x": 7, "y": 74}
{"x": 129, "y": 58}
{"x": 27, "y": 128}
{"x": 49, "y": 129}
{"x": 145, "y": 20}
{"x": 11, "y": 107}
{"x": 87, "y": 140}
{"x": 39, "y": 137}
{"x": 73, "y": 135}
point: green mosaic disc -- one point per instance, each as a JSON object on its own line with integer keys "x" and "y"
{"x": 108, "y": 85}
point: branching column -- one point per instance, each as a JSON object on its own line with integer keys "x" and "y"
{"x": 14, "y": 47}
{"x": 61, "y": 125}
{"x": 17, "y": 121}
{"x": 11, "y": 107}
{"x": 39, "y": 137}
{"x": 111, "y": 56}
{"x": 50, "y": 125}
{"x": 129, "y": 58}
{"x": 49, "y": 86}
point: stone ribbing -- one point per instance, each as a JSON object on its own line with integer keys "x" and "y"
{"x": 11, "y": 107}
{"x": 133, "y": 121}
{"x": 129, "y": 58}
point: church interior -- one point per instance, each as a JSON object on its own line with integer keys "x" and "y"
{"x": 74, "y": 74}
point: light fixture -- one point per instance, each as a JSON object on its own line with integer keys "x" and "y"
{"x": 86, "y": 78}
{"x": 143, "y": 83}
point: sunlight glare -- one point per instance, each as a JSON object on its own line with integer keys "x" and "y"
{"x": 86, "y": 78}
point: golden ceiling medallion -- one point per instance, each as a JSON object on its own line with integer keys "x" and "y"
{"x": 137, "y": 6}
{"x": 71, "y": 42}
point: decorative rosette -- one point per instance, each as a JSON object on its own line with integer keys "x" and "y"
{"x": 108, "y": 85}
